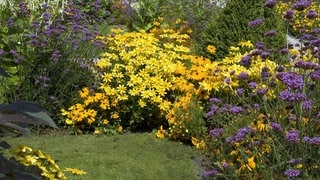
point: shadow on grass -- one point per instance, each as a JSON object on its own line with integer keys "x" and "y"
{"x": 128, "y": 156}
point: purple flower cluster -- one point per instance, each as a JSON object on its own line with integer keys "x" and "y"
{"x": 315, "y": 75}
{"x": 292, "y": 173}
{"x": 301, "y": 5}
{"x": 255, "y": 22}
{"x": 287, "y": 95}
{"x": 216, "y": 132}
{"x": 293, "y": 136}
{"x": 289, "y": 14}
{"x": 270, "y": 33}
{"x": 307, "y": 104}
{"x": 312, "y": 141}
{"x": 306, "y": 65}
{"x": 276, "y": 127}
{"x": 270, "y": 3}
{"x": 209, "y": 173}
{"x": 241, "y": 133}
{"x": 312, "y": 14}
{"x": 292, "y": 80}
{"x": 243, "y": 75}
{"x": 293, "y": 162}
{"x": 246, "y": 60}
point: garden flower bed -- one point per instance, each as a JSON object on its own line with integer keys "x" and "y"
{"x": 233, "y": 88}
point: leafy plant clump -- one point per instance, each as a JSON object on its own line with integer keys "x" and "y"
{"x": 241, "y": 21}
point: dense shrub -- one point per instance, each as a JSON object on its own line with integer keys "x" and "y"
{"x": 242, "y": 20}
{"x": 48, "y": 53}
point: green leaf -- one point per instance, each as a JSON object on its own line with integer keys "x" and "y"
{"x": 30, "y": 110}
{"x": 3, "y": 72}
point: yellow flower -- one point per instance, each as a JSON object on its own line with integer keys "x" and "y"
{"x": 246, "y": 44}
{"x": 198, "y": 144}
{"x": 84, "y": 92}
{"x": 105, "y": 122}
{"x": 115, "y": 116}
{"x": 120, "y": 129}
{"x": 142, "y": 103}
{"x": 97, "y": 131}
{"x": 75, "y": 171}
{"x": 251, "y": 164}
{"x": 211, "y": 49}
{"x": 161, "y": 133}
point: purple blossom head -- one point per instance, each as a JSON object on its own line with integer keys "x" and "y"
{"x": 315, "y": 75}
{"x": 270, "y": 3}
{"x": 242, "y": 132}
{"x": 293, "y": 162}
{"x": 215, "y": 100}
{"x": 246, "y": 61}
{"x": 262, "y": 91}
{"x": 209, "y": 173}
{"x": 289, "y": 14}
{"x": 301, "y": 5}
{"x": 292, "y": 136}
{"x": 287, "y": 95}
{"x": 1, "y": 52}
{"x": 291, "y": 79}
{"x": 265, "y": 73}
{"x": 243, "y": 75}
{"x": 260, "y": 45}
{"x": 312, "y": 14}
{"x": 55, "y": 56}
{"x": 284, "y": 51}
{"x": 307, "y": 104}
{"x": 252, "y": 85}
{"x": 270, "y": 33}
{"x": 306, "y": 65}
{"x": 275, "y": 126}
{"x": 240, "y": 91}
{"x": 292, "y": 173}
{"x": 236, "y": 110}
{"x": 256, "y": 106}
{"x": 265, "y": 55}
{"x": 255, "y": 22}
{"x": 216, "y": 132}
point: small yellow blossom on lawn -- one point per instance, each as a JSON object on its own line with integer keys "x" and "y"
{"x": 120, "y": 129}
{"x": 161, "y": 133}
{"x": 97, "y": 131}
{"x": 105, "y": 122}
{"x": 115, "y": 116}
{"x": 75, "y": 171}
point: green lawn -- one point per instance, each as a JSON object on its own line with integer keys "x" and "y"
{"x": 128, "y": 156}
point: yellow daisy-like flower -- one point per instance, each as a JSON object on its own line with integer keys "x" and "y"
{"x": 161, "y": 133}
{"x": 211, "y": 49}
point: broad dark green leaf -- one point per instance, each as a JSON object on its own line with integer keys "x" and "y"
{"x": 30, "y": 110}
{"x": 3, "y": 72}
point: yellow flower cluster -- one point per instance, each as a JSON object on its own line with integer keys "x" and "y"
{"x": 300, "y": 20}
{"x": 30, "y": 157}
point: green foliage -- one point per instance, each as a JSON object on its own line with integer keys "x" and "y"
{"x": 230, "y": 27}
{"x": 48, "y": 60}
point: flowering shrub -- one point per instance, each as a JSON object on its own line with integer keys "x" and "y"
{"x": 301, "y": 16}
{"x": 273, "y": 136}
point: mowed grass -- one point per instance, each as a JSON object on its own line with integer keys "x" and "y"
{"x": 138, "y": 156}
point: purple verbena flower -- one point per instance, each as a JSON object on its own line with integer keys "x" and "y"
{"x": 270, "y": 33}
{"x": 270, "y": 3}
{"x": 293, "y": 162}
{"x": 255, "y": 22}
{"x": 289, "y": 14}
{"x": 292, "y": 80}
{"x": 246, "y": 61}
{"x": 275, "y": 126}
{"x": 215, "y": 100}
{"x": 236, "y": 110}
{"x": 243, "y": 75}
{"x": 292, "y": 173}
{"x": 301, "y": 5}
{"x": 240, "y": 91}
{"x": 216, "y": 132}
{"x": 293, "y": 136}
{"x": 287, "y": 95}
{"x": 307, "y": 104}
{"x": 209, "y": 173}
